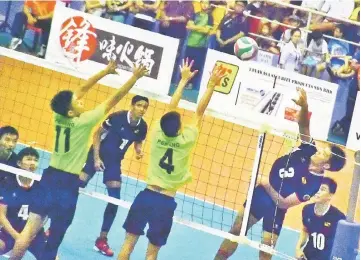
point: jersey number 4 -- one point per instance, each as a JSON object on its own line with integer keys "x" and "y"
{"x": 67, "y": 138}
{"x": 168, "y": 156}
{"x": 24, "y": 212}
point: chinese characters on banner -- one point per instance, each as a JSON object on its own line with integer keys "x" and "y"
{"x": 127, "y": 51}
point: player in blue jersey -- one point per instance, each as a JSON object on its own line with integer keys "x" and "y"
{"x": 59, "y": 186}
{"x": 320, "y": 221}
{"x": 8, "y": 138}
{"x": 111, "y": 141}
{"x": 14, "y": 205}
{"x": 294, "y": 178}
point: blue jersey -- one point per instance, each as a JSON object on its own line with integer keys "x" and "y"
{"x": 120, "y": 135}
{"x": 321, "y": 230}
{"x": 11, "y": 161}
{"x": 290, "y": 174}
{"x": 17, "y": 200}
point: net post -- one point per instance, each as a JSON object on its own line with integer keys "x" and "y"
{"x": 256, "y": 164}
{"x": 355, "y": 185}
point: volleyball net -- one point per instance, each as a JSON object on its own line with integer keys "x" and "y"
{"x": 228, "y": 161}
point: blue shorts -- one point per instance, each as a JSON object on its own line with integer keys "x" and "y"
{"x": 112, "y": 171}
{"x": 56, "y": 196}
{"x": 262, "y": 206}
{"x": 36, "y": 247}
{"x": 155, "y": 209}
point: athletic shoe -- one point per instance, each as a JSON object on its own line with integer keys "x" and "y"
{"x": 15, "y": 42}
{"x": 101, "y": 245}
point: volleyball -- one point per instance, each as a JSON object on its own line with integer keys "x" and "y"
{"x": 245, "y": 48}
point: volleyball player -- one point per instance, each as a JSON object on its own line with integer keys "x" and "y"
{"x": 111, "y": 141}
{"x": 8, "y": 139}
{"x": 320, "y": 221}
{"x": 294, "y": 178}
{"x": 58, "y": 189}
{"x": 168, "y": 170}
{"x": 14, "y": 205}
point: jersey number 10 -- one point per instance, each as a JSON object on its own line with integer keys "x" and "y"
{"x": 318, "y": 240}
{"x": 168, "y": 156}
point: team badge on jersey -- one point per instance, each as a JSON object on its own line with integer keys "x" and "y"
{"x": 306, "y": 197}
{"x": 136, "y": 131}
{"x": 327, "y": 224}
{"x": 304, "y": 181}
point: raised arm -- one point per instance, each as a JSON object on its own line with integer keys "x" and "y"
{"x": 215, "y": 79}
{"x": 303, "y": 120}
{"x": 186, "y": 76}
{"x": 123, "y": 90}
{"x": 110, "y": 69}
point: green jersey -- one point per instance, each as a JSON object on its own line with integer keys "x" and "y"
{"x": 72, "y": 139}
{"x": 169, "y": 166}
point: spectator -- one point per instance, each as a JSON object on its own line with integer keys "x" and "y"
{"x": 291, "y": 53}
{"x": 295, "y": 22}
{"x": 337, "y": 49}
{"x": 38, "y": 14}
{"x": 309, "y": 4}
{"x": 174, "y": 19}
{"x": 276, "y": 12}
{"x": 146, "y": 13}
{"x": 96, "y": 8}
{"x": 334, "y": 8}
{"x": 315, "y": 54}
{"x": 118, "y": 10}
{"x": 199, "y": 29}
{"x": 233, "y": 26}
{"x": 264, "y": 44}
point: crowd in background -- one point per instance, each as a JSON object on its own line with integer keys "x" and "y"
{"x": 309, "y": 43}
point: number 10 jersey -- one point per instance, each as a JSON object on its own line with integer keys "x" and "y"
{"x": 169, "y": 166}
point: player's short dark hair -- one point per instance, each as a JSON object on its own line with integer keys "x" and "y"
{"x": 8, "y": 130}
{"x": 331, "y": 183}
{"x": 316, "y": 35}
{"x": 138, "y": 98}
{"x": 338, "y": 159}
{"x": 341, "y": 27}
{"x": 61, "y": 102}
{"x": 293, "y": 31}
{"x": 170, "y": 123}
{"x": 28, "y": 151}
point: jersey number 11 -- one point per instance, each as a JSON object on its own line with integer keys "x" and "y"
{"x": 67, "y": 138}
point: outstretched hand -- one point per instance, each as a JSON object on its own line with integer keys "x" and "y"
{"x": 186, "y": 70}
{"x": 302, "y": 98}
{"x": 140, "y": 71}
{"x": 216, "y": 76}
{"x": 111, "y": 67}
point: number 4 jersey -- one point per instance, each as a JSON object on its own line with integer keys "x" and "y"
{"x": 17, "y": 200}
{"x": 321, "y": 230}
{"x": 169, "y": 158}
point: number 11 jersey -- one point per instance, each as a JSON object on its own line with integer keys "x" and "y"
{"x": 169, "y": 166}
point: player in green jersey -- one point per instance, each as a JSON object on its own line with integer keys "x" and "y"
{"x": 58, "y": 189}
{"x": 168, "y": 170}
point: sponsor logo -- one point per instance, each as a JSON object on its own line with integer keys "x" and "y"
{"x": 227, "y": 82}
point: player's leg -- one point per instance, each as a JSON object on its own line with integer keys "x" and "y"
{"x": 272, "y": 226}
{"x": 128, "y": 246}
{"x": 88, "y": 170}
{"x": 228, "y": 247}
{"x": 38, "y": 245}
{"x": 33, "y": 225}
{"x": 269, "y": 239}
{"x": 160, "y": 222}
{"x": 152, "y": 252}
{"x": 61, "y": 215}
{"x": 112, "y": 181}
{"x": 260, "y": 204}
{"x": 6, "y": 242}
{"x": 134, "y": 224}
